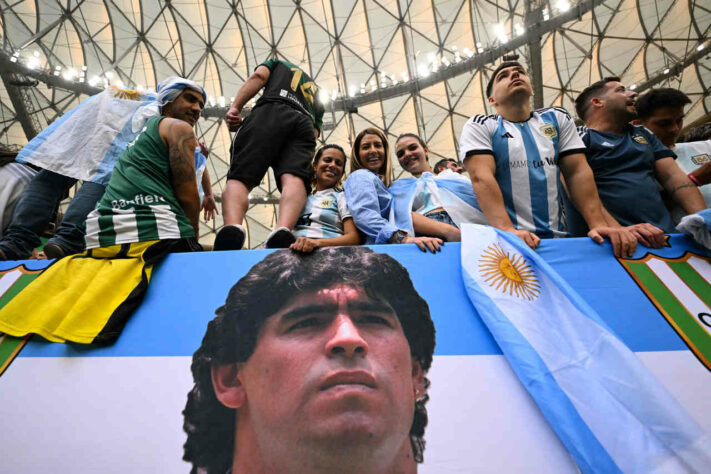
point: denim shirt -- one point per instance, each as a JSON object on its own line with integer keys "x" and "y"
{"x": 370, "y": 204}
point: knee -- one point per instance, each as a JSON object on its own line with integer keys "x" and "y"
{"x": 291, "y": 181}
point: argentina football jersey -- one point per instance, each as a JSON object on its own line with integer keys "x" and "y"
{"x": 323, "y": 215}
{"x": 526, "y": 155}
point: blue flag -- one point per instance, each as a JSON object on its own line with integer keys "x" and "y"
{"x": 609, "y": 411}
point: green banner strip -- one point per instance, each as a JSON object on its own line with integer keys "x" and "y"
{"x": 696, "y": 282}
{"x": 19, "y": 285}
{"x": 9, "y": 348}
{"x": 688, "y": 327}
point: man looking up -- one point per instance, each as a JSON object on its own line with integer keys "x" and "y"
{"x": 628, "y": 161}
{"x": 514, "y": 160}
{"x": 448, "y": 164}
{"x": 280, "y": 132}
{"x": 316, "y": 363}
{"x": 662, "y": 112}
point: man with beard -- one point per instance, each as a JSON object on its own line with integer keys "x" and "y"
{"x": 628, "y": 161}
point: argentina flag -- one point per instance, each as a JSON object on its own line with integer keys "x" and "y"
{"x": 609, "y": 411}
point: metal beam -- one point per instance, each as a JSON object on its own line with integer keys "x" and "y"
{"x": 533, "y": 17}
{"x": 347, "y": 104}
{"x": 19, "y": 99}
{"x": 467, "y": 65}
{"x": 677, "y": 68}
{"x": 46, "y": 76}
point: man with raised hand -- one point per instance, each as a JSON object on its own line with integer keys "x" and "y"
{"x": 514, "y": 160}
{"x": 629, "y": 163}
{"x": 280, "y": 133}
{"x": 316, "y": 363}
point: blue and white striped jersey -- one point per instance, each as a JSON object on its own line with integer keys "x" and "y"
{"x": 323, "y": 215}
{"x": 526, "y": 156}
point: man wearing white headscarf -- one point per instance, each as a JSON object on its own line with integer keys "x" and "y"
{"x": 150, "y": 208}
{"x": 84, "y": 144}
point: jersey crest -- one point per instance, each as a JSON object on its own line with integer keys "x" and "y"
{"x": 325, "y": 202}
{"x": 700, "y": 159}
{"x": 640, "y": 139}
{"x": 548, "y": 129}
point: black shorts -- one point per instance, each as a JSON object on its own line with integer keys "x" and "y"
{"x": 275, "y": 135}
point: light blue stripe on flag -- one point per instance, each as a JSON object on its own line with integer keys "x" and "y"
{"x": 35, "y": 143}
{"x": 606, "y": 407}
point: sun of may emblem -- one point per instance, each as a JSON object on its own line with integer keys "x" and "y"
{"x": 507, "y": 273}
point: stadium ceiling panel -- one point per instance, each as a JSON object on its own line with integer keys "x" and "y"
{"x": 400, "y": 65}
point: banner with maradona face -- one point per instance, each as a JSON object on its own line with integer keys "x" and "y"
{"x": 119, "y": 408}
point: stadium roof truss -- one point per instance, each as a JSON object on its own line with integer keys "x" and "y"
{"x": 400, "y": 65}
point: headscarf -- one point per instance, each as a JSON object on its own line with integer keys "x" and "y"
{"x": 170, "y": 88}
{"x": 85, "y": 142}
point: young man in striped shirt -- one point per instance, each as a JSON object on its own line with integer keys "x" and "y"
{"x": 514, "y": 160}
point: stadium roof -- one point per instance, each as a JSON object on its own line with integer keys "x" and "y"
{"x": 403, "y": 66}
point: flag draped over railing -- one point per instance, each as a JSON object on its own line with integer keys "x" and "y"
{"x": 607, "y": 408}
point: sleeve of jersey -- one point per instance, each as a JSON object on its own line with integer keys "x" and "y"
{"x": 343, "y": 209}
{"x": 318, "y": 115}
{"x": 269, "y": 63}
{"x": 660, "y": 151}
{"x": 570, "y": 142}
{"x": 475, "y": 138}
{"x": 362, "y": 196}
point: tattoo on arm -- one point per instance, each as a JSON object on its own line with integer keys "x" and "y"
{"x": 181, "y": 153}
{"x": 680, "y": 187}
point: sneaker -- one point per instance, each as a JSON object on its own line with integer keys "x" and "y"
{"x": 52, "y": 250}
{"x": 230, "y": 237}
{"x": 280, "y": 238}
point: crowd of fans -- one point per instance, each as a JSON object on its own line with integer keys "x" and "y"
{"x": 622, "y": 176}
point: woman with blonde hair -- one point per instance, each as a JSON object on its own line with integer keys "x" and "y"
{"x": 368, "y": 197}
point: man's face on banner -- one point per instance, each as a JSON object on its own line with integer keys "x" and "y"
{"x": 332, "y": 365}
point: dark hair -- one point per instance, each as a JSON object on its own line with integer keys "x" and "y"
{"x": 654, "y": 99}
{"x": 582, "y": 102}
{"x": 412, "y": 135}
{"x": 385, "y": 173}
{"x": 702, "y": 132}
{"x": 317, "y": 157}
{"x": 441, "y": 165}
{"x": 232, "y": 336}
{"x": 501, "y": 66}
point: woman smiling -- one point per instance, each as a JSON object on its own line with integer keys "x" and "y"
{"x": 325, "y": 220}
{"x": 368, "y": 196}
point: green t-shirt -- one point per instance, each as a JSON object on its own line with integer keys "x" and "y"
{"x": 290, "y": 84}
{"x": 139, "y": 203}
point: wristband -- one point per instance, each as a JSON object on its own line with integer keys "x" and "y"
{"x": 694, "y": 179}
{"x": 397, "y": 237}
